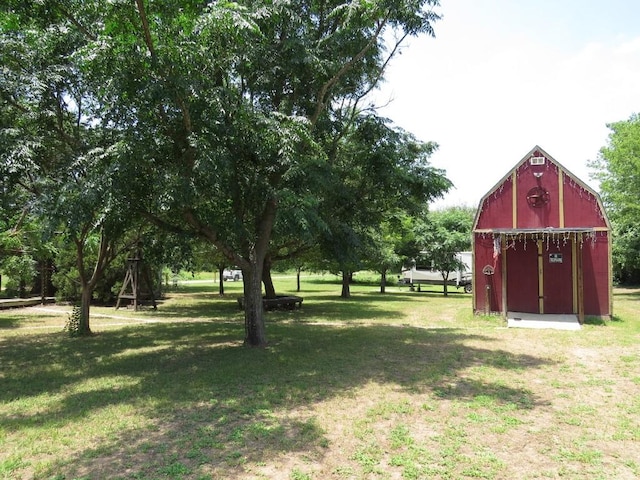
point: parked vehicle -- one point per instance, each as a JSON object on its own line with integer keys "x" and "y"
{"x": 419, "y": 275}
{"x": 234, "y": 274}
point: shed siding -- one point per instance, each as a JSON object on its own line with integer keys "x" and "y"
{"x": 483, "y": 256}
{"x": 595, "y": 255}
{"x": 547, "y": 215}
{"x": 558, "y": 278}
{"x": 496, "y": 210}
{"x": 522, "y": 265}
{"x": 581, "y": 207}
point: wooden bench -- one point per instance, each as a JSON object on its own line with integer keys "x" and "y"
{"x": 281, "y": 302}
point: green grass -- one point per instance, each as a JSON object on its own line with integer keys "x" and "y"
{"x": 403, "y": 385}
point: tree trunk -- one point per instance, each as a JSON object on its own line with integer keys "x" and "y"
{"x": 255, "y": 331}
{"x": 221, "y": 275}
{"x": 346, "y": 291}
{"x": 85, "y": 304}
{"x": 43, "y": 282}
{"x": 445, "y": 282}
{"x": 298, "y": 270}
{"x": 252, "y": 264}
{"x": 383, "y": 281}
{"x": 267, "y": 280}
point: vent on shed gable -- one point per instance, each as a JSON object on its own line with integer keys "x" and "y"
{"x": 537, "y": 160}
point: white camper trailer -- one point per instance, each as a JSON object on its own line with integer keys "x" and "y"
{"x": 419, "y": 275}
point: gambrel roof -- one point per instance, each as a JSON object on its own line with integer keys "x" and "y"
{"x": 539, "y": 194}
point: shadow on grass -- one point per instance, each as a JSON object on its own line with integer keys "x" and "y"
{"x": 206, "y": 288}
{"x": 210, "y": 401}
{"x": 408, "y": 294}
{"x": 202, "y": 306}
{"x": 631, "y": 292}
{"x": 361, "y": 306}
{"x": 356, "y": 308}
{"x": 600, "y": 322}
{"x": 11, "y": 322}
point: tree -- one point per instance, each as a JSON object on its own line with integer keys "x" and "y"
{"x": 446, "y": 233}
{"x": 228, "y": 99}
{"x": 384, "y": 256}
{"x": 391, "y": 241}
{"x": 13, "y": 216}
{"x": 218, "y": 106}
{"x": 57, "y": 145}
{"x": 206, "y": 257}
{"x": 378, "y": 171}
{"x": 618, "y": 170}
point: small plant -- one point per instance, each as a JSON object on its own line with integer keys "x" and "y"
{"x": 298, "y": 475}
{"x": 72, "y": 327}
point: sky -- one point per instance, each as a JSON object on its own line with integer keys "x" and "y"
{"x": 502, "y": 76}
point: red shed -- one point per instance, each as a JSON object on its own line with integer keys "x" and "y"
{"x": 542, "y": 244}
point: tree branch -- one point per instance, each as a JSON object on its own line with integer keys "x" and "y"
{"x": 265, "y": 226}
{"x": 395, "y": 48}
{"x": 75, "y": 21}
{"x": 16, "y": 228}
{"x": 145, "y": 27}
{"x": 321, "y": 102}
{"x": 211, "y": 235}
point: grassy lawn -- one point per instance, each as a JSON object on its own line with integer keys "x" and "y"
{"x": 407, "y": 385}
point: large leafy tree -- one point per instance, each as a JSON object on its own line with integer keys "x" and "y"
{"x": 229, "y": 100}
{"x": 618, "y": 170}
{"x": 217, "y": 107}
{"x": 13, "y": 213}
{"x": 56, "y": 145}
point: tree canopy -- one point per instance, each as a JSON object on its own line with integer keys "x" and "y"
{"x": 618, "y": 170}
{"x": 378, "y": 171}
{"x": 446, "y": 233}
{"x": 207, "y": 119}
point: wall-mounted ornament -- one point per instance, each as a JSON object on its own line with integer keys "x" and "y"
{"x": 488, "y": 270}
{"x": 538, "y": 197}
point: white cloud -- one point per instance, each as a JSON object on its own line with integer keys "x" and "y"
{"x": 488, "y": 96}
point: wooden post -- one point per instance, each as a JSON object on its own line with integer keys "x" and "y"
{"x": 487, "y": 298}
{"x": 540, "y": 278}
{"x": 503, "y": 259}
{"x": 574, "y": 271}
{"x": 580, "y": 288}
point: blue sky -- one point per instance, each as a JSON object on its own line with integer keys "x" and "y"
{"x": 502, "y": 76}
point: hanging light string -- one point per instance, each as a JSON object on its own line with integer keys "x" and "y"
{"x": 549, "y": 237}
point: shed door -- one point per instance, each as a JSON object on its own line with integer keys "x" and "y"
{"x": 540, "y": 277}
{"x": 522, "y": 277}
{"x": 557, "y": 277}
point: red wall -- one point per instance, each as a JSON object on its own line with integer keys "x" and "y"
{"x": 496, "y": 209}
{"x": 522, "y": 277}
{"x": 595, "y": 261}
{"x": 483, "y": 256}
{"x": 581, "y": 207}
{"x": 540, "y": 217}
{"x": 558, "y": 277}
